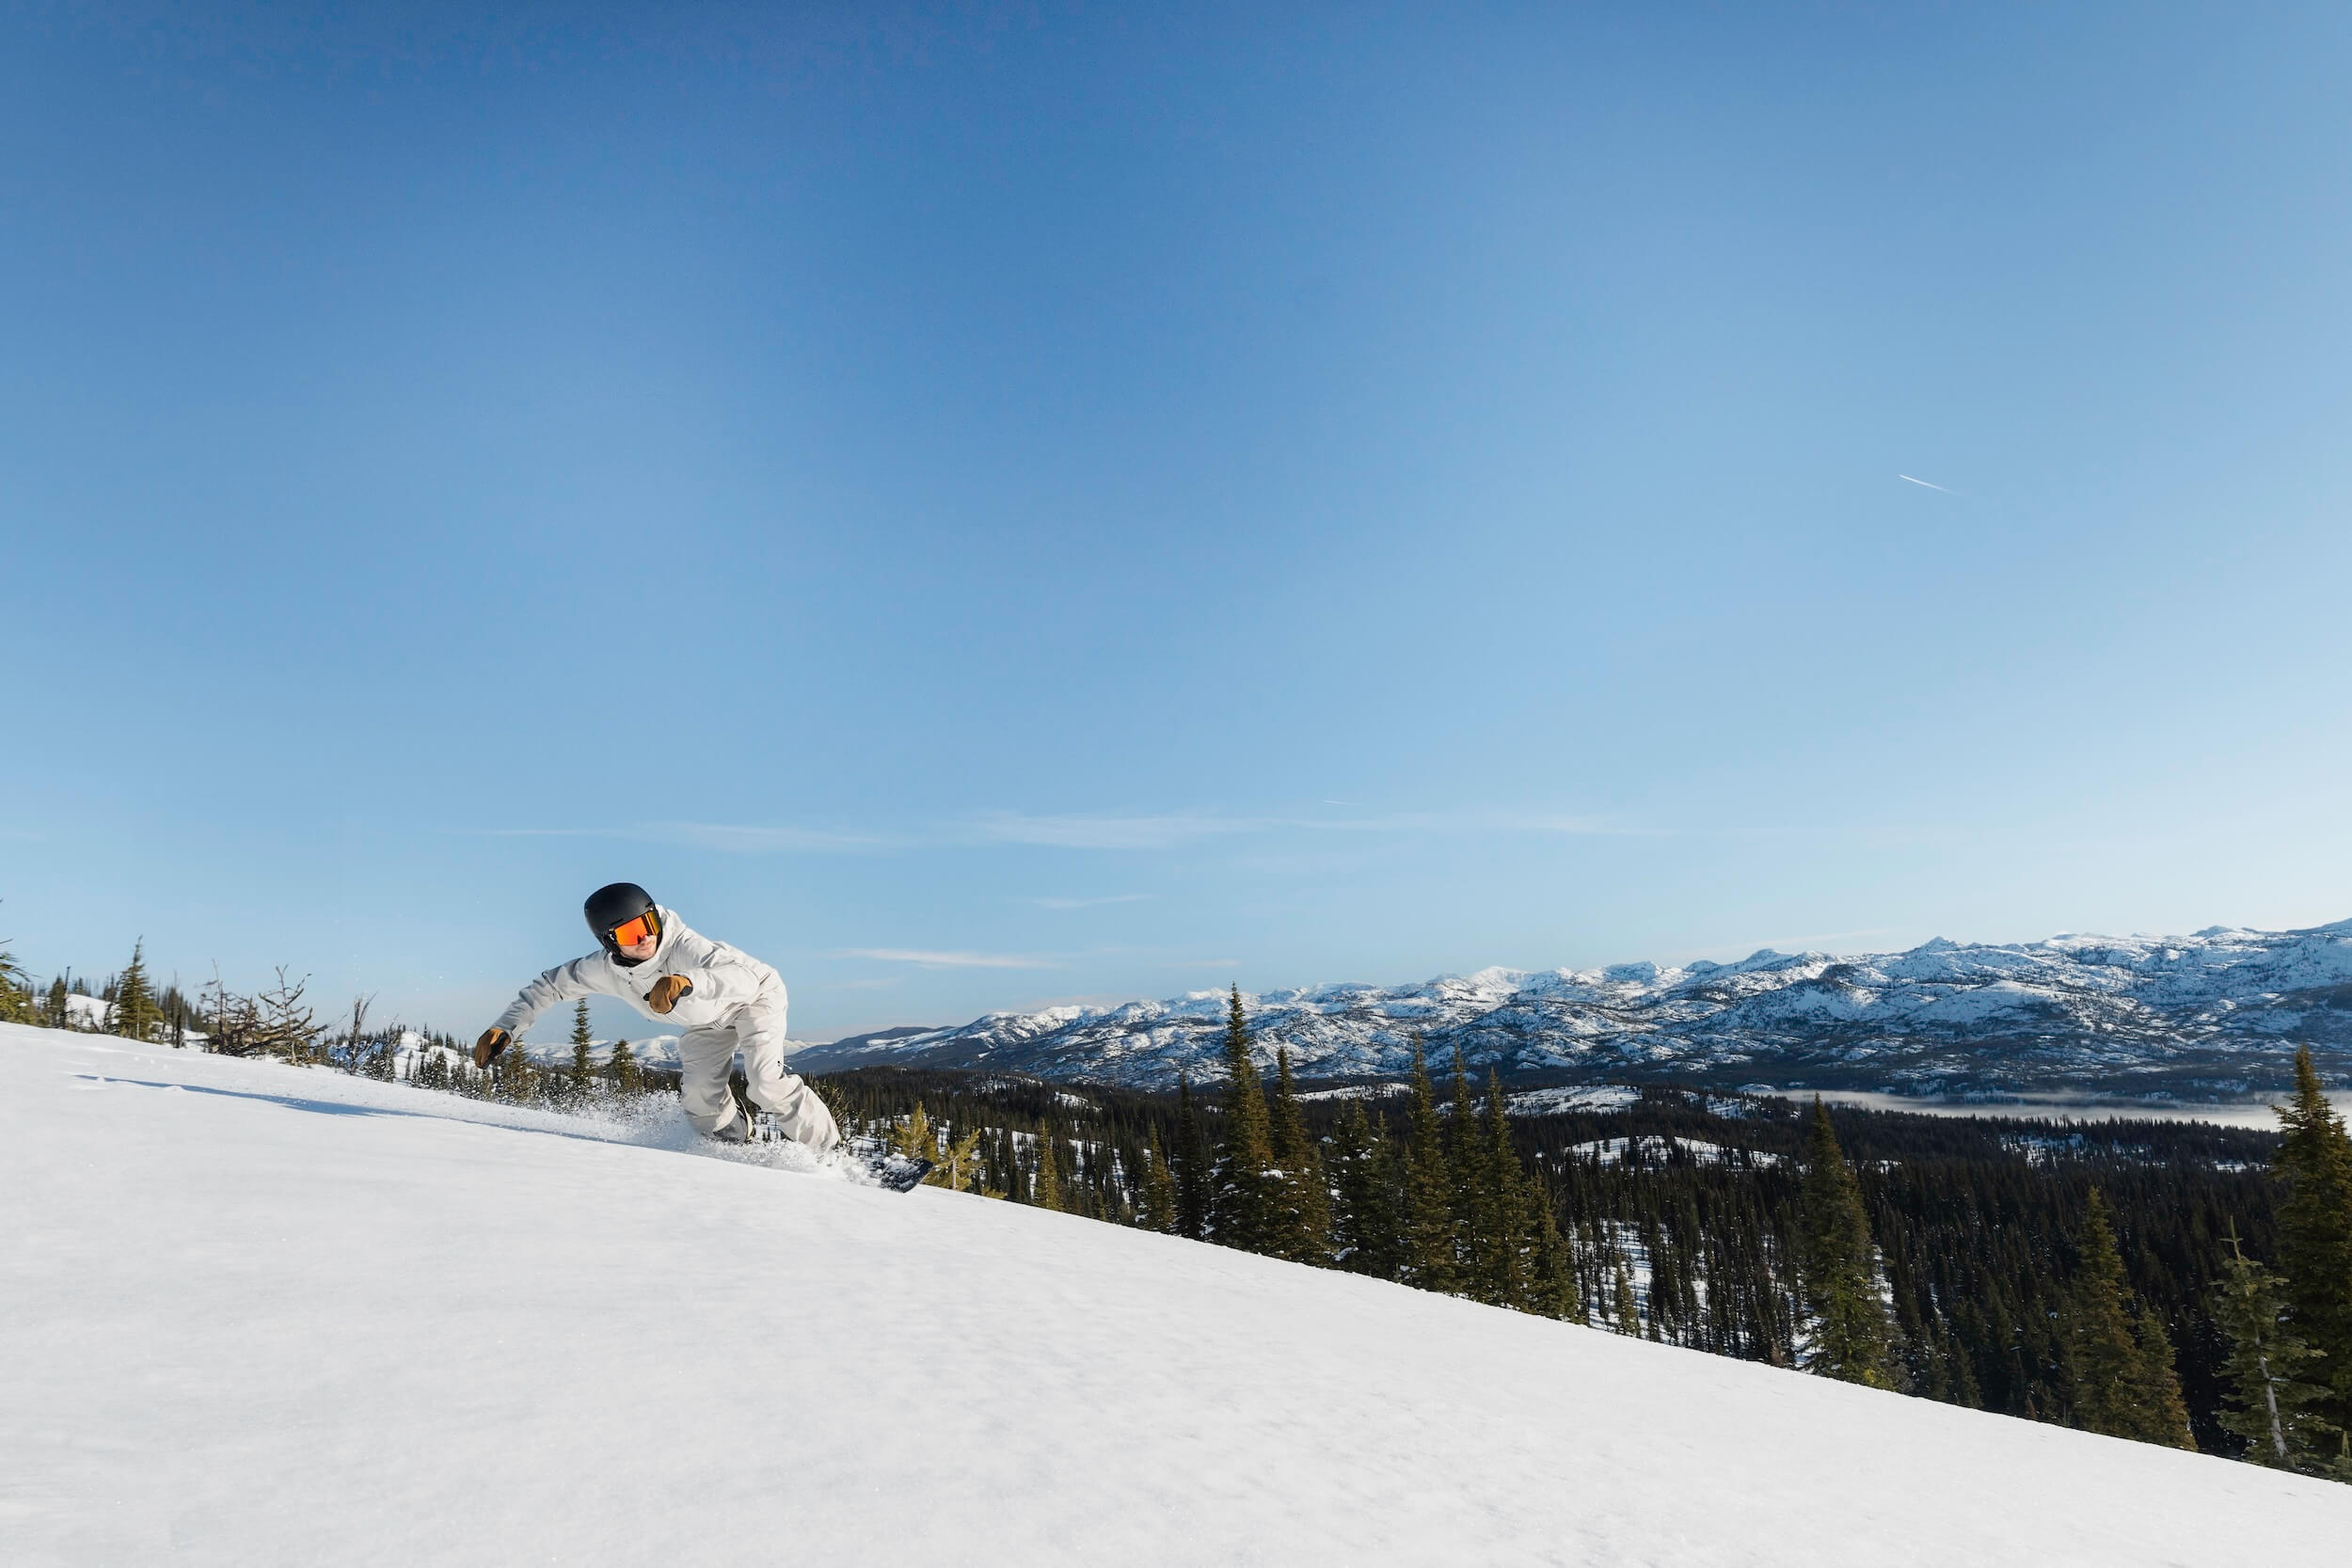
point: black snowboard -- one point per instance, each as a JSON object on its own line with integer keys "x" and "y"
{"x": 901, "y": 1174}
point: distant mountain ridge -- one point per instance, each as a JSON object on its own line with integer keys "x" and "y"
{"x": 2216, "y": 1015}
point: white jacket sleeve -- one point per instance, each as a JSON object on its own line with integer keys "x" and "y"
{"x": 559, "y": 984}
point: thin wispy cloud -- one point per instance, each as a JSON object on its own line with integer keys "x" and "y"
{"x": 729, "y": 837}
{"x": 1176, "y": 830}
{"x": 1444, "y": 822}
{"x": 1163, "y": 830}
{"x": 1924, "y": 486}
{"x": 762, "y": 841}
{"x": 925, "y": 958}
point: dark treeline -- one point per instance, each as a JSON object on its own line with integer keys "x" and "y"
{"x": 129, "y": 1002}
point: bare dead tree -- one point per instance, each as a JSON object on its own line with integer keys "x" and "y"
{"x": 361, "y": 1049}
{"x": 287, "y": 1027}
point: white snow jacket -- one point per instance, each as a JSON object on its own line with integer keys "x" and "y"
{"x": 727, "y": 981}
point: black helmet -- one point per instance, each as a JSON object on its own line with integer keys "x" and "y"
{"x": 611, "y": 907}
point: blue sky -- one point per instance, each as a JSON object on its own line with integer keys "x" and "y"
{"x": 992, "y": 506}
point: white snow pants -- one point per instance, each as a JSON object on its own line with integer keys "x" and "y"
{"x": 707, "y": 1054}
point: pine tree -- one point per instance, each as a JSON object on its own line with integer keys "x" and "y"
{"x": 1188, "y": 1163}
{"x": 1242, "y": 1201}
{"x": 2315, "y": 1159}
{"x": 16, "y": 991}
{"x": 1048, "y": 1191}
{"x": 1507, "y": 1208}
{"x": 1552, "y": 1289}
{"x": 2124, "y": 1385}
{"x": 914, "y": 1139}
{"x": 1302, "y": 1203}
{"x": 135, "y": 1011}
{"x": 583, "y": 1071}
{"x": 1160, "y": 1203}
{"x": 627, "y": 1078}
{"x": 514, "y": 1075}
{"x": 958, "y": 1167}
{"x": 1428, "y": 1261}
{"x": 55, "y": 1012}
{"x": 1367, "y": 1216}
{"x": 1628, "y": 1312}
{"x": 1471, "y": 1189}
{"x": 1008, "y": 1162}
{"x": 1836, "y": 1266}
{"x": 2270, "y": 1400}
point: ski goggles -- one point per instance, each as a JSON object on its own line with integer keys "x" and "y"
{"x": 629, "y": 933}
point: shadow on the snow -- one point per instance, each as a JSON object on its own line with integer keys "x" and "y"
{"x": 672, "y": 1137}
{"x": 324, "y": 1107}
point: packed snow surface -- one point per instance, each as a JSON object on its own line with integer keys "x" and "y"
{"x": 266, "y": 1315}
{"x": 2216, "y": 1016}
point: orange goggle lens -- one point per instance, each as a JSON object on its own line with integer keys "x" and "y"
{"x": 635, "y": 931}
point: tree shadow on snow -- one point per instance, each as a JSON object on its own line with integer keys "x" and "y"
{"x": 669, "y": 1134}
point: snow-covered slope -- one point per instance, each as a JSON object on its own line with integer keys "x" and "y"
{"x": 259, "y": 1315}
{"x": 2203, "y": 1017}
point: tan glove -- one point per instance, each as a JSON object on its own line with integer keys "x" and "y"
{"x": 666, "y": 991}
{"x": 486, "y": 1050}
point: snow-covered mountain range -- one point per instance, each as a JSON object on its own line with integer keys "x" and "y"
{"x": 2212, "y": 1016}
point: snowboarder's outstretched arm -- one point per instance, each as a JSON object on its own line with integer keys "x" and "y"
{"x": 559, "y": 984}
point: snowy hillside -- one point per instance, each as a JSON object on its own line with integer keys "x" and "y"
{"x": 661, "y": 1050}
{"x": 264, "y": 1315}
{"x": 2203, "y": 1017}
{"x": 658, "y": 1051}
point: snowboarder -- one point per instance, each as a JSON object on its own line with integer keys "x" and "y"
{"x": 724, "y": 999}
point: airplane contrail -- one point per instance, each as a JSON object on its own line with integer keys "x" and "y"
{"x": 1924, "y": 484}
